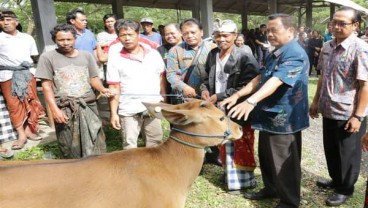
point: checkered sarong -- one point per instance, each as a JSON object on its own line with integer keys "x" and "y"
{"x": 7, "y": 132}
{"x": 236, "y": 179}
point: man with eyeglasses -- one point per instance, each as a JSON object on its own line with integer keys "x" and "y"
{"x": 278, "y": 98}
{"x": 341, "y": 98}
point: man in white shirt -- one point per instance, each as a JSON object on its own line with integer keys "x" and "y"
{"x": 135, "y": 75}
{"x": 18, "y": 85}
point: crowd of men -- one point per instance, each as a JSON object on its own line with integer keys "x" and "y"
{"x": 267, "y": 91}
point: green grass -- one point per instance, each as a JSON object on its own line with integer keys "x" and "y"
{"x": 312, "y": 87}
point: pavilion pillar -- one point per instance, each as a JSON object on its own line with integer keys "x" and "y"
{"x": 299, "y": 17}
{"x": 196, "y": 10}
{"x": 206, "y": 13}
{"x": 308, "y": 13}
{"x": 244, "y": 15}
{"x": 117, "y": 8}
{"x": 332, "y": 10}
{"x": 44, "y": 8}
{"x": 272, "y": 6}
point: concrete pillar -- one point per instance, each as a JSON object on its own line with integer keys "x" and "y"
{"x": 332, "y": 10}
{"x": 309, "y": 10}
{"x": 206, "y": 13}
{"x": 45, "y": 20}
{"x": 299, "y": 17}
{"x": 244, "y": 16}
{"x": 117, "y": 8}
{"x": 196, "y": 10}
{"x": 272, "y": 6}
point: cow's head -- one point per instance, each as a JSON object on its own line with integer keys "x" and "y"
{"x": 197, "y": 116}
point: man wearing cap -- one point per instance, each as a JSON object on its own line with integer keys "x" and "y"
{"x": 229, "y": 68}
{"x": 147, "y": 25}
{"x": 18, "y": 52}
{"x": 280, "y": 112}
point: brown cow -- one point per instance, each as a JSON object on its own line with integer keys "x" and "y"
{"x": 144, "y": 177}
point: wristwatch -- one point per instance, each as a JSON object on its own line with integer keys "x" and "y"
{"x": 251, "y": 101}
{"x": 360, "y": 118}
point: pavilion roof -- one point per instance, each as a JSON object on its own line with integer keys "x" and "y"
{"x": 254, "y": 7}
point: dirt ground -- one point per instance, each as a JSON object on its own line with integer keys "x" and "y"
{"x": 313, "y": 145}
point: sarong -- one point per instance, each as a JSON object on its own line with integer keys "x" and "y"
{"x": 7, "y": 132}
{"x": 83, "y": 135}
{"x": 238, "y": 160}
{"x": 29, "y": 110}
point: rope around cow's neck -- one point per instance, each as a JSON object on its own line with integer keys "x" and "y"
{"x": 226, "y": 134}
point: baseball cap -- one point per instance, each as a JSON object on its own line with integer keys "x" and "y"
{"x": 224, "y": 26}
{"x": 146, "y": 19}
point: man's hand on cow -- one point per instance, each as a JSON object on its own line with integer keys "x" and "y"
{"x": 230, "y": 101}
{"x": 189, "y": 91}
{"x": 240, "y": 110}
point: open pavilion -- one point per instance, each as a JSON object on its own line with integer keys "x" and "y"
{"x": 201, "y": 9}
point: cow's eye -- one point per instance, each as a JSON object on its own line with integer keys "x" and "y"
{"x": 222, "y": 118}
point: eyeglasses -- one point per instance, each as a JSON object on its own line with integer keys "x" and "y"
{"x": 340, "y": 24}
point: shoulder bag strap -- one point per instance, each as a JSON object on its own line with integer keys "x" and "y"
{"x": 194, "y": 62}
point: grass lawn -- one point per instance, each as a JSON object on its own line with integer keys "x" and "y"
{"x": 208, "y": 190}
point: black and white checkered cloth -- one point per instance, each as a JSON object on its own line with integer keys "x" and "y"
{"x": 7, "y": 132}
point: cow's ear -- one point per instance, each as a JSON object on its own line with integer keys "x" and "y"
{"x": 182, "y": 117}
{"x": 155, "y": 109}
{"x": 172, "y": 113}
{"x": 176, "y": 117}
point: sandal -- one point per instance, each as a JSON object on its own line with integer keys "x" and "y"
{"x": 17, "y": 145}
{"x": 6, "y": 153}
{"x": 37, "y": 138}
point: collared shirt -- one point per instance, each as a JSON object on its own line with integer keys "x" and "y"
{"x": 15, "y": 49}
{"x": 86, "y": 41}
{"x": 342, "y": 67}
{"x": 179, "y": 59}
{"x": 139, "y": 78}
{"x": 286, "y": 110}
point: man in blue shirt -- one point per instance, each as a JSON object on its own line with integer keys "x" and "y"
{"x": 280, "y": 104}
{"x": 86, "y": 40}
{"x": 328, "y": 35}
{"x": 148, "y": 33}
